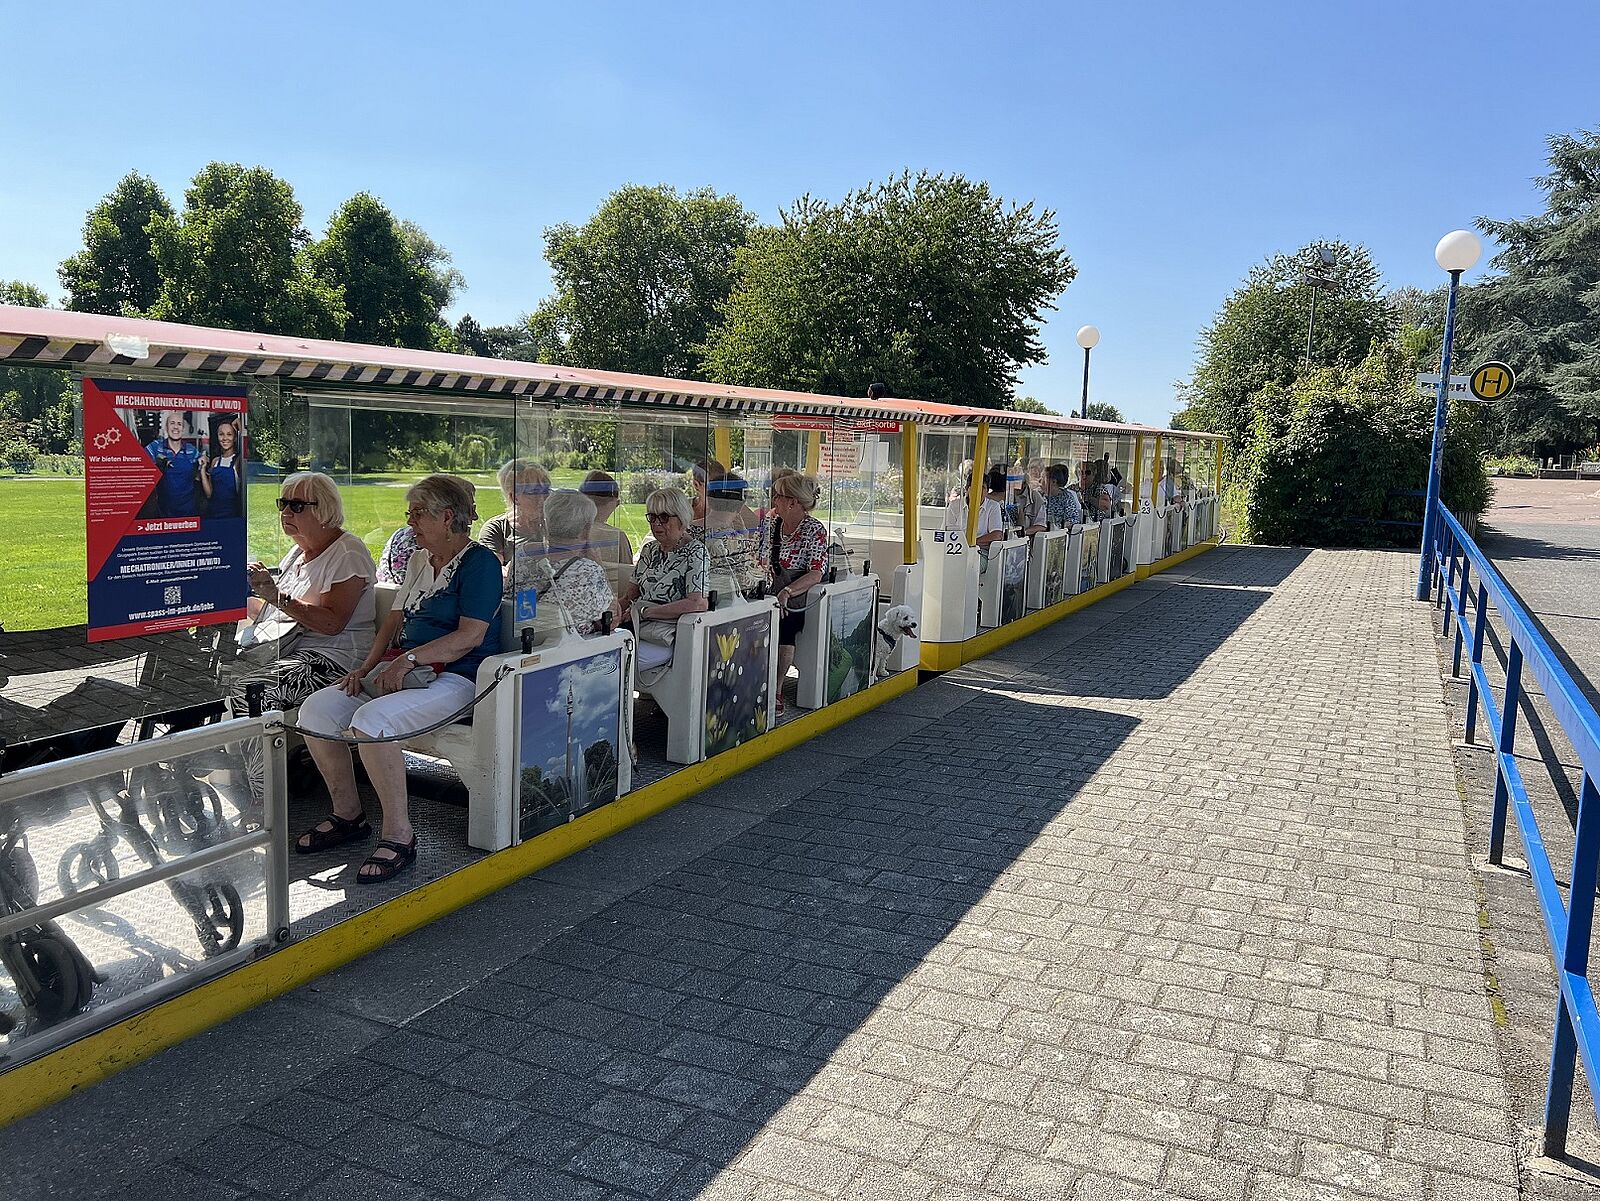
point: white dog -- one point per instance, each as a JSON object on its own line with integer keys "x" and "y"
{"x": 898, "y": 621}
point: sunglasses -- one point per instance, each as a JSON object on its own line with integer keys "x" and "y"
{"x": 294, "y": 506}
{"x": 657, "y": 516}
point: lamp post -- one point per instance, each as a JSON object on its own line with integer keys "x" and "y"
{"x": 1088, "y": 338}
{"x": 1456, "y": 252}
{"x": 1317, "y": 278}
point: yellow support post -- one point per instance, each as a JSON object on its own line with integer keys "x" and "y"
{"x": 1155, "y": 475}
{"x": 722, "y": 444}
{"x": 1138, "y": 462}
{"x": 980, "y": 464}
{"x": 1216, "y": 476}
{"x": 813, "y": 452}
{"x": 910, "y": 490}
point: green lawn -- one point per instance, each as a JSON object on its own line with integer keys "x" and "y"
{"x": 42, "y": 546}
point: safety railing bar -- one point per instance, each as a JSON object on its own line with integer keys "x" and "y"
{"x": 1579, "y": 994}
{"x": 1576, "y": 717}
{"x": 1545, "y": 887}
{"x": 93, "y": 898}
{"x": 29, "y": 781}
{"x": 1491, "y": 708}
{"x": 98, "y": 1017}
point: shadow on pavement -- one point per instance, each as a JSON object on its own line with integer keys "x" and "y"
{"x": 636, "y": 1046}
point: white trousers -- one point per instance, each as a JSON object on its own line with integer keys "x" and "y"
{"x": 333, "y": 711}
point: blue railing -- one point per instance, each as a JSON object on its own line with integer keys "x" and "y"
{"x": 1466, "y": 584}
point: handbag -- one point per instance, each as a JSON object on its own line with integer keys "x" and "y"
{"x": 419, "y": 676}
{"x": 783, "y": 576}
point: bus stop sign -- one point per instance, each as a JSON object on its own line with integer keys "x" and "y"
{"x": 1492, "y": 381}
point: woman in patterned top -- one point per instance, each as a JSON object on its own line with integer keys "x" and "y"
{"x": 731, "y": 533}
{"x": 565, "y": 574}
{"x": 797, "y": 555}
{"x": 1060, "y": 502}
{"x": 671, "y": 573}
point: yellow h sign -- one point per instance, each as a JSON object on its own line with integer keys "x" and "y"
{"x": 1492, "y": 381}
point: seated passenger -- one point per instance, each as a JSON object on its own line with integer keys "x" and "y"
{"x": 565, "y": 574}
{"x": 609, "y": 546}
{"x": 796, "y": 556}
{"x": 1031, "y": 515}
{"x": 396, "y": 556}
{"x": 1062, "y": 509}
{"x": 444, "y": 623}
{"x": 525, "y": 486}
{"x": 731, "y": 536}
{"x": 991, "y": 517}
{"x": 670, "y": 575}
{"x": 1095, "y": 495}
{"x": 1170, "y": 490}
{"x": 955, "y": 508}
{"x": 312, "y": 623}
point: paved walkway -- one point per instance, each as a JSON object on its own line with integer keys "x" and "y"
{"x": 1170, "y": 900}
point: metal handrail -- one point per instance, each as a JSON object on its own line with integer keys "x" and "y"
{"x": 1454, "y": 559}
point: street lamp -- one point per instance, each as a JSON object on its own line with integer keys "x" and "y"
{"x": 1456, "y": 252}
{"x": 1088, "y": 338}
{"x": 1317, "y": 278}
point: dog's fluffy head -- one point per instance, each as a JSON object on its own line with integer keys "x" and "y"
{"x": 898, "y": 621}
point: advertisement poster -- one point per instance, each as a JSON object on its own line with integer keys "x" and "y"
{"x": 571, "y": 733}
{"x": 738, "y": 656}
{"x": 1055, "y": 571}
{"x": 1117, "y": 562}
{"x": 1013, "y": 581}
{"x": 164, "y": 497}
{"x": 1091, "y": 553}
{"x": 850, "y": 617}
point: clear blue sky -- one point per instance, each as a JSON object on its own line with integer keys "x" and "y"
{"x": 1179, "y": 142}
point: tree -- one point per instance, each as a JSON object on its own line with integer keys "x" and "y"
{"x": 1029, "y": 404}
{"x": 1541, "y": 311}
{"x": 639, "y": 286}
{"x": 1258, "y": 337}
{"x": 116, "y": 271}
{"x": 930, "y": 283}
{"x": 396, "y": 280}
{"x": 496, "y": 342}
{"x": 1329, "y": 460}
{"x": 24, "y": 295}
{"x": 1099, "y": 410}
{"x": 236, "y": 258}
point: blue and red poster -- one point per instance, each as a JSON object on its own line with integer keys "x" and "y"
{"x": 164, "y": 491}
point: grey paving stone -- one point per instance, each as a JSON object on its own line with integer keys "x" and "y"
{"x": 1143, "y": 907}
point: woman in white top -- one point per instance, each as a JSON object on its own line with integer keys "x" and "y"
{"x": 312, "y": 623}
{"x": 991, "y": 517}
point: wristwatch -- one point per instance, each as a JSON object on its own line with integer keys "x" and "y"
{"x": 411, "y": 659}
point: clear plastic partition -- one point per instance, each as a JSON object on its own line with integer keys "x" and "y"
{"x": 945, "y": 456}
{"x": 131, "y": 873}
{"x": 861, "y": 481}
{"x": 200, "y": 453}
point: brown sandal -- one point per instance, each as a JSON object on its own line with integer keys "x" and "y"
{"x": 333, "y": 831}
{"x": 401, "y": 856}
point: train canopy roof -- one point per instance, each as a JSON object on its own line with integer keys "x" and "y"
{"x": 53, "y": 337}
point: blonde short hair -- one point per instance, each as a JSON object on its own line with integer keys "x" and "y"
{"x": 670, "y": 500}
{"x": 313, "y": 485}
{"x": 520, "y": 471}
{"x": 797, "y": 487}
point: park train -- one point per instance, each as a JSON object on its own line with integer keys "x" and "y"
{"x": 147, "y": 892}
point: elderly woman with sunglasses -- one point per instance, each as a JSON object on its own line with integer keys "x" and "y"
{"x": 422, "y": 668}
{"x": 311, "y": 620}
{"x": 671, "y": 575}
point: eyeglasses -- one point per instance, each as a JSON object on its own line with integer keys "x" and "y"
{"x": 657, "y": 516}
{"x": 415, "y": 514}
{"x": 294, "y": 506}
